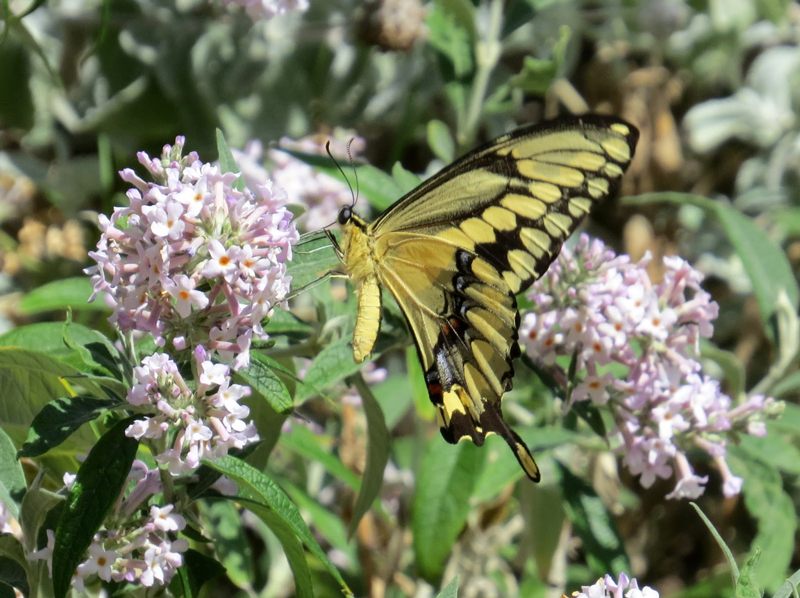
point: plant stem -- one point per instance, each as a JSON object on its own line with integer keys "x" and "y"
{"x": 487, "y": 54}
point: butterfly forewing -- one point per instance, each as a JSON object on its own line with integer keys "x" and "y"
{"x": 455, "y": 251}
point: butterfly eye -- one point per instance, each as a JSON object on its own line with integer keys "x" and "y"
{"x": 344, "y": 215}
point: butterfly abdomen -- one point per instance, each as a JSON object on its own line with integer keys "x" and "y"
{"x": 359, "y": 264}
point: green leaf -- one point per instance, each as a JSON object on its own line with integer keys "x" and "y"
{"x": 29, "y": 381}
{"x": 774, "y": 449}
{"x": 722, "y": 545}
{"x": 311, "y": 261}
{"x": 764, "y": 261}
{"x": 447, "y": 34}
{"x": 406, "y": 180}
{"x": 285, "y": 322}
{"x": 773, "y": 509}
{"x": 536, "y": 76}
{"x": 464, "y": 13}
{"x": 257, "y": 487}
{"x": 97, "y": 487}
{"x": 12, "y": 477}
{"x": 292, "y": 547}
{"x": 13, "y": 566}
{"x": 445, "y": 485}
{"x": 378, "y": 445}
{"x": 746, "y": 586}
{"x": 226, "y": 160}
{"x": 326, "y": 522}
{"x": 261, "y": 377}
{"x": 502, "y": 467}
{"x": 730, "y": 364}
{"x": 789, "y": 422}
{"x": 589, "y": 413}
{"x": 98, "y": 355}
{"x": 441, "y": 141}
{"x": 47, "y": 338}
{"x": 787, "y": 387}
{"x": 789, "y": 587}
{"x": 594, "y": 525}
{"x": 331, "y": 365}
{"x": 36, "y": 506}
{"x": 422, "y": 400}
{"x": 59, "y": 419}
{"x": 450, "y": 590}
{"x": 197, "y": 570}
{"x": 309, "y": 446}
{"x": 60, "y": 295}
{"x": 222, "y": 523}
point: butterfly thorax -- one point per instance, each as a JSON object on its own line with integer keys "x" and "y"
{"x": 359, "y": 264}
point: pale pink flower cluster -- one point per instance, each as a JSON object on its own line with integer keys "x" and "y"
{"x": 608, "y": 588}
{"x": 606, "y": 311}
{"x": 323, "y": 195}
{"x": 260, "y": 10}
{"x": 134, "y": 547}
{"x": 193, "y": 258}
{"x": 203, "y": 422}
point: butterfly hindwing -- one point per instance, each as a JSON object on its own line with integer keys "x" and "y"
{"x": 465, "y": 331}
{"x": 456, "y": 250}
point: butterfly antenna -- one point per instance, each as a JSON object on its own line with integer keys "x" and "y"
{"x": 355, "y": 171}
{"x": 335, "y": 161}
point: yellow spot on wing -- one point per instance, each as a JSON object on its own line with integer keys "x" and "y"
{"x": 536, "y": 241}
{"x": 585, "y": 160}
{"x": 617, "y": 148}
{"x": 500, "y": 218}
{"x": 525, "y": 206}
{"x": 452, "y": 404}
{"x": 523, "y": 263}
{"x": 457, "y": 237}
{"x": 486, "y": 272}
{"x": 547, "y": 192}
{"x": 513, "y": 281}
{"x": 490, "y": 327}
{"x": 478, "y": 230}
{"x": 527, "y": 462}
{"x": 567, "y": 140}
{"x": 478, "y": 390}
{"x": 562, "y": 221}
{"x": 621, "y": 129}
{"x": 550, "y": 173}
{"x": 597, "y": 187}
{"x": 579, "y": 206}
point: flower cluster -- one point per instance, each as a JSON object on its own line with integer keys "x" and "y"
{"x": 261, "y": 10}
{"x": 608, "y": 588}
{"x": 193, "y": 257}
{"x": 203, "y": 423}
{"x": 606, "y": 311}
{"x": 132, "y": 547}
{"x": 321, "y": 194}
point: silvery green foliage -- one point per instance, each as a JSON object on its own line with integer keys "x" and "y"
{"x": 762, "y": 112}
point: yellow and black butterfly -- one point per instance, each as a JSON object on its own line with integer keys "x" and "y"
{"x": 455, "y": 251}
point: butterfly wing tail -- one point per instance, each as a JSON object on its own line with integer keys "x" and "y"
{"x": 492, "y": 421}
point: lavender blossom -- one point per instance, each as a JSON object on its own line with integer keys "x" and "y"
{"x": 608, "y": 588}
{"x": 204, "y": 423}
{"x": 193, "y": 258}
{"x": 606, "y": 310}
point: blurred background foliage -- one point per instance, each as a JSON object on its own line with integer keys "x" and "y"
{"x": 714, "y": 87}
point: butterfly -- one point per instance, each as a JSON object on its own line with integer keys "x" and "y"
{"x": 456, "y": 251}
